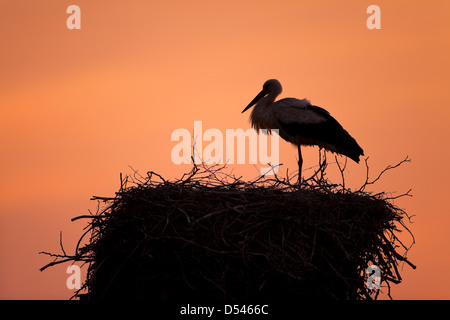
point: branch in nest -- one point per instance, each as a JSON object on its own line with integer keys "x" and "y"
{"x": 389, "y": 167}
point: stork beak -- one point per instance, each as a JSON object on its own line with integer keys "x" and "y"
{"x": 255, "y": 100}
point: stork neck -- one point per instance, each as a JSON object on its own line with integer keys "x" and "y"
{"x": 268, "y": 99}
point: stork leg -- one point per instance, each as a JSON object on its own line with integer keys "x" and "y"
{"x": 300, "y": 164}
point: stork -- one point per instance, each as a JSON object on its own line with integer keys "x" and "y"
{"x": 300, "y": 123}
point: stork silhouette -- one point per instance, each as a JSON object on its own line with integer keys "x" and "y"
{"x": 301, "y": 123}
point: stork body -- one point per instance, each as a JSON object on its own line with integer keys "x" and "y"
{"x": 301, "y": 123}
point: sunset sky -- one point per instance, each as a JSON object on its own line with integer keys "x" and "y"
{"x": 79, "y": 107}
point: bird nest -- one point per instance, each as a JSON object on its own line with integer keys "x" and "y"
{"x": 210, "y": 235}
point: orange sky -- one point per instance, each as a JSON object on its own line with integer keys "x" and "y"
{"x": 78, "y": 107}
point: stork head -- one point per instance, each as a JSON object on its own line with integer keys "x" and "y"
{"x": 272, "y": 87}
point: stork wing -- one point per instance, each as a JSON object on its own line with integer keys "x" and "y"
{"x": 294, "y": 111}
{"x": 302, "y": 123}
